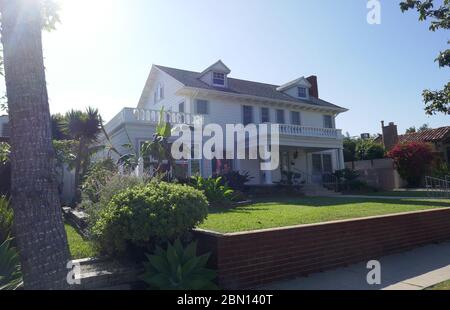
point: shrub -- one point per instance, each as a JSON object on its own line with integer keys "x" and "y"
{"x": 412, "y": 160}
{"x": 368, "y": 149}
{"x": 218, "y": 195}
{"x": 6, "y": 219}
{"x": 10, "y": 273}
{"x": 441, "y": 170}
{"x": 346, "y": 175}
{"x": 178, "y": 268}
{"x": 113, "y": 185}
{"x": 142, "y": 216}
{"x": 235, "y": 180}
{"x": 95, "y": 180}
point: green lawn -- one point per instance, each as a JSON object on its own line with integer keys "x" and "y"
{"x": 444, "y": 286}
{"x": 79, "y": 248}
{"x": 406, "y": 193}
{"x": 287, "y": 212}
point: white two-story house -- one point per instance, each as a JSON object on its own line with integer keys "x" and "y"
{"x": 310, "y": 144}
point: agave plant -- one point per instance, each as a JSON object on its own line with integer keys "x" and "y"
{"x": 178, "y": 268}
{"x": 10, "y": 273}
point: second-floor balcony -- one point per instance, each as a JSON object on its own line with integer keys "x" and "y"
{"x": 304, "y": 131}
{"x": 152, "y": 117}
{"x": 135, "y": 116}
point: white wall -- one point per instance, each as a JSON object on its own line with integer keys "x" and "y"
{"x": 171, "y": 86}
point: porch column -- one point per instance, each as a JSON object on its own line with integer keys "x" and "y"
{"x": 341, "y": 159}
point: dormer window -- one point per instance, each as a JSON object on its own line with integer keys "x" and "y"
{"x": 218, "y": 79}
{"x": 302, "y": 93}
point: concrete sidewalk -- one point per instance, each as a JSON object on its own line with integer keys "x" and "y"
{"x": 413, "y": 270}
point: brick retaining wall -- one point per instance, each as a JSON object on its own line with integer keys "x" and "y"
{"x": 245, "y": 260}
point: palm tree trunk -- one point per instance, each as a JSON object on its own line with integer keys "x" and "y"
{"x": 38, "y": 223}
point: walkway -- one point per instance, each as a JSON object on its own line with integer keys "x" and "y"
{"x": 413, "y": 270}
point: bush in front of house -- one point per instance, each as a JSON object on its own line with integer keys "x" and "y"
{"x": 235, "y": 180}
{"x": 412, "y": 160}
{"x": 6, "y": 219}
{"x": 97, "y": 177}
{"x": 217, "y": 193}
{"x": 143, "y": 216}
{"x": 109, "y": 187}
{"x": 178, "y": 268}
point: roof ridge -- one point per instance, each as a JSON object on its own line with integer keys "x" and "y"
{"x": 230, "y": 78}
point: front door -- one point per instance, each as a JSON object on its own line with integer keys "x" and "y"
{"x": 321, "y": 164}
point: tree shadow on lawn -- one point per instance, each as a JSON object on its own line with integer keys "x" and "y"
{"x": 263, "y": 204}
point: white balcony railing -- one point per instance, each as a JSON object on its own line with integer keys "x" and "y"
{"x": 303, "y": 131}
{"x": 153, "y": 117}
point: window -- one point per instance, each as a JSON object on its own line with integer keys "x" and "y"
{"x": 302, "y": 92}
{"x": 248, "y": 115}
{"x": 201, "y": 107}
{"x": 181, "y": 107}
{"x": 327, "y": 121}
{"x": 218, "y": 78}
{"x": 322, "y": 163}
{"x": 265, "y": 115}
{"x": 280, "y": 117}
{"x": 295, "y": 118}
{"x": 161, "y": 92}
{"x": 155, "y": 97}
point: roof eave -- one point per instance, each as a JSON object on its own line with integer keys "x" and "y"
{"x": 244, "y": 96}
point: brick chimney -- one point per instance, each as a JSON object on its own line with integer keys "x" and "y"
{"x": 390, "y": 135}
{"x": 314, "y": 90}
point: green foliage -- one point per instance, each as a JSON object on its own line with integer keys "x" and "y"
{"x": 349, "y": 149}
{"x": 103, "y": 191}
{"x": 368, "y": 149}
{"x": 10, "y": 273}
{"x": 57, "y": 124}
{"x": 143, "y": 216}
{"x": 435, "y": 101}
{"x": 6, "y": 219}
{"x": 218, "y": 194}
{"x": 5, "y": 151}
{"x": 346, "y": 175}
{"x": 178, "y": 268}
{"x": 79, "y": 247}
{"x": 441, "y": 170}
{"x": 97, "y": 177}
{"x": 65, "y": 151}
{"x": 236, "y": 180}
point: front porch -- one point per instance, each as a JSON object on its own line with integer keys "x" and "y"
{"x": 298, "y": 165}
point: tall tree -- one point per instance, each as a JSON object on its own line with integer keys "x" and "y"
{"x": 38, "y": 222}
{"x": 84, "y": 128}
{"x": 439, "y": 100}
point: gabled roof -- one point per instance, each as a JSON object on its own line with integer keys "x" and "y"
{"x": 243, "y": 87}
{"x": 432, "y": 135}
{"x": 219, "y": 65}
{"x": 300, "y": 81}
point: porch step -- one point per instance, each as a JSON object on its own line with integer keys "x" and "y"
{"x": 314, "y": 190}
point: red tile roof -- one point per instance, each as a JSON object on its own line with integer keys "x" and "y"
{"x": 431, "y": 135}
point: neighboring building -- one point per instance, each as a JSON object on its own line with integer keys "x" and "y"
{"x": 4, "y": 128}
{"x": 438, "y": 138}
{"x": 309, "y": 141}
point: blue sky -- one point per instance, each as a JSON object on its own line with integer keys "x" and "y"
{"x": 102, "y": 52}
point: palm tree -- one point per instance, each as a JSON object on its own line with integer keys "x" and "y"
{"x": 38, "y": 222}
{"x": 83, "y": 127}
